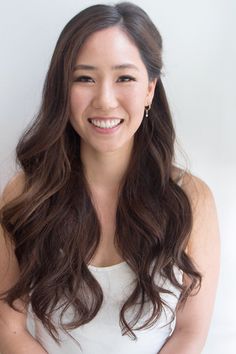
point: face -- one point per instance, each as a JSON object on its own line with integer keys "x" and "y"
{"x": 109, "y": 92}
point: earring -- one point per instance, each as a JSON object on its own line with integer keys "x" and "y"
{"x": 147, "y": 108}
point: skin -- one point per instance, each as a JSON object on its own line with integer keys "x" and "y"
{"x": 193, "y": 320}
{"x": 14, "y": 336}
{"x": 105, "y": 159}
{"x": 121, "y": 92}
{"x": 109, "y": 92}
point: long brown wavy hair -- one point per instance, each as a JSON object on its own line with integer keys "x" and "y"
{"x": 53, "y": 224}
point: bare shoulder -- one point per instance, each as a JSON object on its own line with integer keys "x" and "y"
{"x": 203, "y": 248}
{"x": 204, "y": 241}
{"x": 9, "y": 268}
{"x": 197, "y": 190}
{"x": 11, "y": 191}
{"x": 205, "y": 232}
{"x": 13, "y": 188}
{"x": 200, "y": 196}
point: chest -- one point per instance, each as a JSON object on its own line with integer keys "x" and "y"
{"x": 106, "y": 253}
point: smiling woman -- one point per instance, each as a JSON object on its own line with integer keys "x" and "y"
{"x": 108, "y": 93}
{"x": 104, "y": 240}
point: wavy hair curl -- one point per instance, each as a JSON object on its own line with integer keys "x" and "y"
{"x": 53, "y": 224}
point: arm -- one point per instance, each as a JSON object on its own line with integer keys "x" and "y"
{"x": 14, "y": 336}
{"x": 193, "y": 320}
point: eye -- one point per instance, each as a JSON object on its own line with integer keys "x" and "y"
{"x": 83, "y": 79}
{"x": 126, "y": 78}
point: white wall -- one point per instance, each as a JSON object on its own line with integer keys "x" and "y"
{"x": 200, "y": 59}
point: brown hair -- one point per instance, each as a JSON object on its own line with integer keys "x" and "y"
{"x": 55, "y": 213}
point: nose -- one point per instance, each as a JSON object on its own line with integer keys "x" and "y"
{"x": 105, "y": 97}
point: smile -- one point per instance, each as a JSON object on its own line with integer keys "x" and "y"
{"x": 106, "y": 124}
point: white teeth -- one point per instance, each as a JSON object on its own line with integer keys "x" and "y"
{"x": 105, "y": 123}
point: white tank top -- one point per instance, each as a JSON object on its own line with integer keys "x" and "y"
{"x": 102, "y": 335}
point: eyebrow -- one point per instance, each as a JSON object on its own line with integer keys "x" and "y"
{"x": 115, "y": 67}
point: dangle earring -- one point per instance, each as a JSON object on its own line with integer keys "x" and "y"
{"x": 147, "y": 108}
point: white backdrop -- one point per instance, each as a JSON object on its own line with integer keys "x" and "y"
{"x": 200, "y": 76}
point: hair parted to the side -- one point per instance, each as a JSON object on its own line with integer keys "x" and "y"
{"x": 53, "y": 223}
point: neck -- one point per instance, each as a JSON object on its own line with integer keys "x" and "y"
{"x": 104, "y": 170}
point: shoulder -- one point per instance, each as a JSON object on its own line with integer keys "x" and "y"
{"x": 204, "y": 240}
{"x": 205, "y": 230}
{"x": 199, "y": 193}
{"x": 9, "y": 268}
{"x": 13, "y": 189}
{"x": 197, "y": 190}
{"x": 203, "y": 248}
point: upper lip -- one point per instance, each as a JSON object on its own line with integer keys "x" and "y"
{"x": 105, "y": 118}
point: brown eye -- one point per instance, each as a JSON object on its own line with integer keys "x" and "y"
{"x": 83, "y": 79}
{"x": 126, "y": 78}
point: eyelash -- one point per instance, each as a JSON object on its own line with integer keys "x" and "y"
{"x": 86, "y": 78}
{"x": 131, "y": 78}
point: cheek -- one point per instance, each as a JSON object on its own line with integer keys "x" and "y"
{"x": 78, "y": 100}
{"x": 136, "y": 100}
{"x": 76, "y": 107}
{"x": 135, "y": 94}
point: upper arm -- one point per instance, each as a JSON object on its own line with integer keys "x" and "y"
{"x": 204, "y": 250}
{"x": 9, "y": 268}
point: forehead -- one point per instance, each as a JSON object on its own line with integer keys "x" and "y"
{"x": 110, "y": 45}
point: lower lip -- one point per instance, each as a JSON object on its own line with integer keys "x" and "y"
{"x": 106, "y": 130}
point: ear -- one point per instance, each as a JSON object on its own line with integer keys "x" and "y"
{"x": 151, "y": 90}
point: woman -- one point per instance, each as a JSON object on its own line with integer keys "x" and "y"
{"x": 106, "y": 243}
